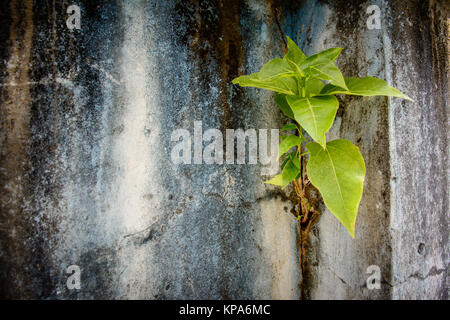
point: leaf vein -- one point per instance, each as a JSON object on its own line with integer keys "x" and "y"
{"x": 313, "y": 115}
{"x": 337, "y": 180}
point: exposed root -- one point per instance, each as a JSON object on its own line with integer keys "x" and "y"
{"x": 307, "y": 216}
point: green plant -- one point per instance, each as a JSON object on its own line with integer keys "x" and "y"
{"x": 336, "y": 168}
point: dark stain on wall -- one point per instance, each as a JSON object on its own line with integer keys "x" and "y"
{"x": 48, "y": 63}
{"x": 15, "y": 115}
{"x": 214, "y": 40}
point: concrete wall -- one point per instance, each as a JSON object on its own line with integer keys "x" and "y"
{"x": 86, "y": 174}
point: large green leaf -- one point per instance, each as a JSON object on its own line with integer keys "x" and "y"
{"x": 288, "y": 143}
{"x": 275, "y": 69}
{"x": 280, "y": 99}
{"x": 338, "y": 173}
{"x": 367, "y": 86}
{"x": 276, "y": 75}
{"x": 294, "y": 56}
{"x": 328, "y": 71}
{"x": 315, "y": 114}
{"x": 289, "y": 173}
{"x": 313, "y": 86}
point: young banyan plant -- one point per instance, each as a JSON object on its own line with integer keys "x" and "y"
{"x": 305, "y": 92}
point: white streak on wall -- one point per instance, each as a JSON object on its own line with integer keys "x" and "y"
{"x": 136, "y": 151}
{"x": 132, "y": 146}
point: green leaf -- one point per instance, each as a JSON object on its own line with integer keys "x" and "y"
{"x": 338, "y": 173}
{"x": 289, "y": 126}
{"x": 315, "y": 114}
{"x": 329, "y": 72}
{"x": 274, "y": 69}
{"x": 320, "y": 65}
{"x": 293, "y": 156}
{"x": 295, "y": 160}
{"x": 294, "y": 56}
{"x": 287, "y": 144}
{"x": 286, "y": 85}
{"x": 276, "y": 75}
{"x": 321, "y": 58}
{"x": 313, "y": 86}
{"x": 283, "y": 164}
{"x": 280, "y": 99}
{"x": 289, "y": 173}
{"x": 367, "y": 86}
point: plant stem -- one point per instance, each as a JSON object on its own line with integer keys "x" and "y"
{"x": 300, "y": 194}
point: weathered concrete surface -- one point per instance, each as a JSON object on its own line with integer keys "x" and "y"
{"x": 420, "y": 171}
{"x": 86, "y": 175}
{"x": 85, "y": 170}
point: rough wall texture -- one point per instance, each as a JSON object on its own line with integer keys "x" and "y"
{"x": 86, "y": 176}
{"x": 420, "y": 172}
